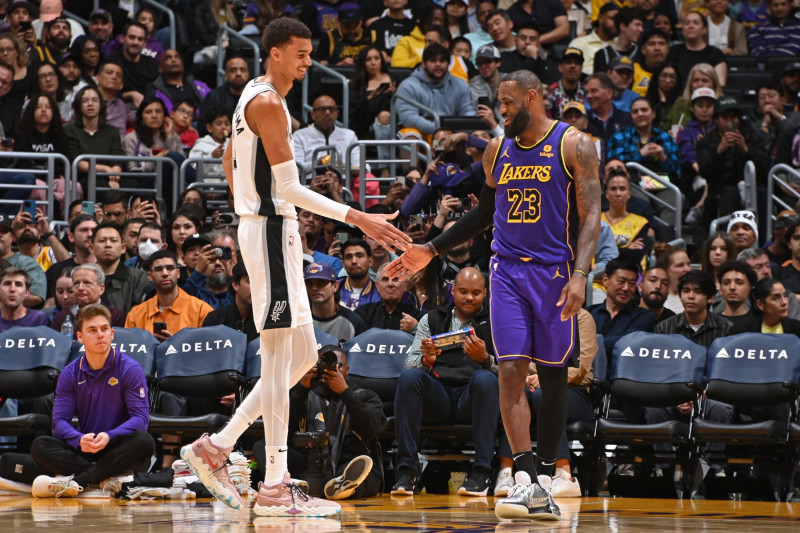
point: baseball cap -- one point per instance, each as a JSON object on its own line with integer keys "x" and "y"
{"x": 5, "y": 221}
{"x": 610, "y": 6}
{"x": 68, "y": 57}
{"x": 727, "y": 103}
{"x": 790, "y": 67}
{"x": 16, "y": 4}
{"x": 102, "y": 13}
{"x": 465, "y": 2}
{"x": 574, "y": 104}
{"x": 704, "y": 92}
{"x": 350, "y": 12}
{"x": 50, "y": 9}
{"x": 572, "y": 52}
{"x": 322, "y": 169}
{"x": 319, "y": 271}
{"x": 621, "y": 63}
{"x": 488, "y": 51}
{"x": 194, "y": 240}
{"x": 785, "y": 221}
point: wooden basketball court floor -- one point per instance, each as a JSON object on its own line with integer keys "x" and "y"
{"x": 386, "y": 514}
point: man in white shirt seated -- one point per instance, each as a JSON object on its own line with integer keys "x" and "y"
{"x": 322, "y": 132}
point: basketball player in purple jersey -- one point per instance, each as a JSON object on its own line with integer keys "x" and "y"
{"x": 262, "y": 174}
{"x": 542, "y": 193}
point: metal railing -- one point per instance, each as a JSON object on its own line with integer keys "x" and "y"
{"x": 345, "y": 115}
{"x": 750, "y": 192}
{"x": 47, "y": 174}
{"x": 199, "y": 164}
{"x": 157, "y": 175}
{"x": 170, "y": 18}
{"x": 393, "y": 111}
{"x": 677, "y": 208}
{"x": 412, "y": 144}
{"x": 774, "y": 200}
{"x": 233, "y": 34}
{"x": 328, "y": 149}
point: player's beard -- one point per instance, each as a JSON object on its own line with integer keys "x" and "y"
{"x": 519, "y": 123}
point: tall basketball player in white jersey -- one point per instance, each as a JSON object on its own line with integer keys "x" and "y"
{"x": 260, "y": 168}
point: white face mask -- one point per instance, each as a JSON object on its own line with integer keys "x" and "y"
{"x": 146, "y": 249}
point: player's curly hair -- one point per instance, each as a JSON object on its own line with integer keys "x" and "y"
{"x": 281, "y": 30}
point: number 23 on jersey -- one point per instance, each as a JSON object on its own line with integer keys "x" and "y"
{"x": 525, "y": 205}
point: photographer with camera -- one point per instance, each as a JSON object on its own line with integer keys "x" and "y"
{"x": 445, "y": 383}
{"x": 211, "y": 279}
{"x": 331, "y": 420}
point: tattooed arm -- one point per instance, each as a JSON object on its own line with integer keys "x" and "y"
{"x": 581, "y": 159}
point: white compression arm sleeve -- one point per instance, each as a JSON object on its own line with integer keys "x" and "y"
{"x": 289, "y": 183}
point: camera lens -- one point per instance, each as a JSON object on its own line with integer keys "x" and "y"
{"x": 328, "y": 360}
{"x": 218, "y": 252}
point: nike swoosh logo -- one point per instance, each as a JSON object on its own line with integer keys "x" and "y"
{"x": 81, "y": 382}
{"x": 283, "y": 450}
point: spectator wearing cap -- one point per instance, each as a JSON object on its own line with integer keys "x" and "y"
{"x": 171, "y": 304}
{"x": 340, "y": 46}
{"x": 629, "y": 23}
{"x": 480, "y": 36}
{"x": 80, "y": 233}
{"x": 723, "y": 32}
{"x": 89, "y": 284}
{"x": 49, "y": 10}
{"x": 654, "y": 50}
{"x": 29, "y": 265}
{"x": 574, "y": 114}
{"x": 139, "y": 71}
{"x": 529, "y": 55}
{"x": 391, "y": 311}
{"x": 703, "y": 100}
{"x": 779, "y": 36}
{"x": 238, "y": 314}
{"x": 602, "y": 36}
{"x": 487, "y": 82}
{"x": 328, "y": 315}
{"x": 790, "y": 87}
{"x": 722, "y": 154}
{"x": 778, "y": 250}
{"x": 621, "y": 73}
{"x": 213, "y": 271}
{"x": 549, "y": 16}
{"x": 569, "y": 87}
{"x": 387, "y": 31}
{"x": 15, "y": 286}
{"x": 56, "y": 42}
{"x": 321, "y": 132}
{"x": 125, "y": 286}
{"x": 18, "y": 14}
{"x": 695, "y": 48}
{"x": 101, "y": 27}
{"x": 743, "y": 229}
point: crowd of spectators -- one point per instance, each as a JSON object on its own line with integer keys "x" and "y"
{"x": 647, "y": 83}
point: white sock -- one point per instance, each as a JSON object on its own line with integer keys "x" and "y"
{"x": 276, "y": 465}
{"x": 242, "y": 419}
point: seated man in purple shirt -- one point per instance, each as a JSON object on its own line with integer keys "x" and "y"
{"x": 15, "y": 285}
{"x": 107, "y": 391}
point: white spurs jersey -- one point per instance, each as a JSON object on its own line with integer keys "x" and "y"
{"x": 256, "y": 192}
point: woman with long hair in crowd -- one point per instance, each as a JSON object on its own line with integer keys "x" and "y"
{"x": 180, "y": 226}
{"x": 664, "y": 90}
{"x": 12, "y": 51}
{"x": 40, "y": 130}
{"x": 374, "y": 88}
{"x": 716, "y": 250}
{"x": 90, "y": 56}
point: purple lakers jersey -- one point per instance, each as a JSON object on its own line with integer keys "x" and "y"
{"x": 535, "y": 217}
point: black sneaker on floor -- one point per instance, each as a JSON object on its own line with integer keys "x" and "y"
{"x": 407, "y": 483}
{"x": 477, "y": 483}
{"x": 354, "y": 475}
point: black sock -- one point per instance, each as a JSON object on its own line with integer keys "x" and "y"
{"x": 547, "y": 468}
{"x": 81, "y": 479}
{"x": 525, "y": 462}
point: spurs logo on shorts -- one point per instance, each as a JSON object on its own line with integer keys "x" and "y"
{"x": 278, "y": 310}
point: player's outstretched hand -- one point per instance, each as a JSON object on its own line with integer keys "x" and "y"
{"x": 378, "y": 227}
{"x": 572, "y": 297}
{"x": 414, "y": 259}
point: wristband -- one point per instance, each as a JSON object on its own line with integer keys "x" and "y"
{"x": 487, "y": 363}
{"x": 46, "y": 236}
{"x": 581, "y": 272}
{"x": 431, "y": 248}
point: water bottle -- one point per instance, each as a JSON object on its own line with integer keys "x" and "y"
{"x": 67, "y": 328}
